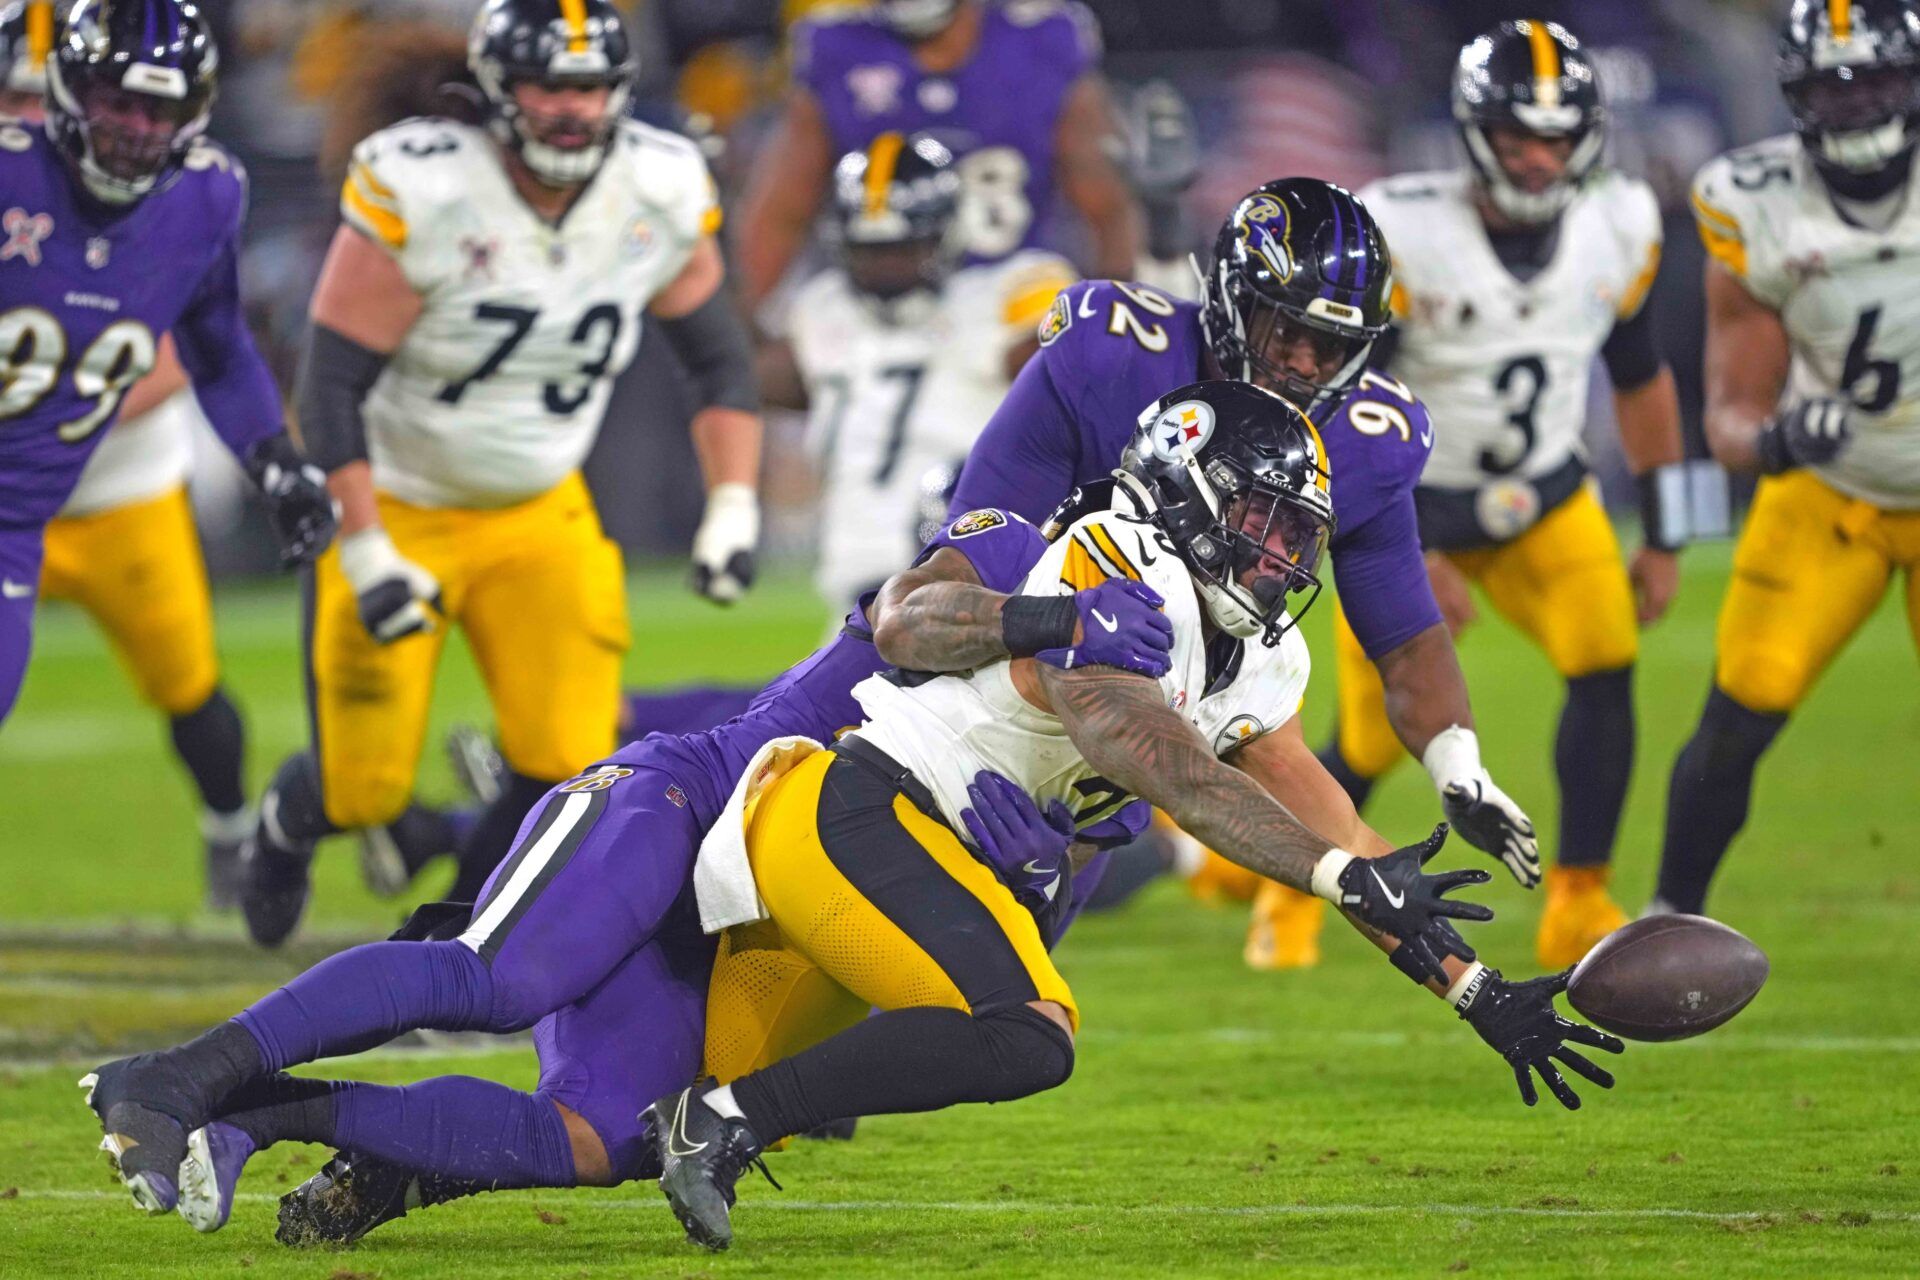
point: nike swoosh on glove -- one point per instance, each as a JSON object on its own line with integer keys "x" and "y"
{"x": 1394, "y": 896}
{"x": 1121, "y": 623}
{"x": 723, "y": 566}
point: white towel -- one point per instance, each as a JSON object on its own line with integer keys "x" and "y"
{"x": 722, "y": 877}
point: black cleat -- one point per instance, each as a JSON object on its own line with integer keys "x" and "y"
{"x": 477, "y": 764}
{"x": 702, "y": 1155}
{"x": 352, "y": 1194}
{"x": 276, "y": 875}
{"x": 146, "y": 1108}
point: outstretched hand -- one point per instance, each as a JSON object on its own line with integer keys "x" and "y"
{"x": 1518, "y": 1019}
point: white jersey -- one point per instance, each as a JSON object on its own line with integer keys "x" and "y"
{"x": 1849, "y": 299}
{"x": 949, "y": 728}
{"x": 497, "y": 391}
{"x": 890, "y": 401}
{"x": 139, "y": 458}
{"x": 1503, "y": 364}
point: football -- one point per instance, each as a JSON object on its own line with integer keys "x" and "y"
{"x": 1667, "y": 978}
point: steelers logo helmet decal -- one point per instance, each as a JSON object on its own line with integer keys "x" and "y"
{"x": 1182, "y": 427}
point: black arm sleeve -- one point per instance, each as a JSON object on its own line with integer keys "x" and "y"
{"x": 713, "y": 343}
{"x": 335, "y": 375}
{"x": 1632, "y": 352}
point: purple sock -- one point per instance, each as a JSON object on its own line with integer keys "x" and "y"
{"x": 367, "y": 995}
{"x": 458, "y": 1127}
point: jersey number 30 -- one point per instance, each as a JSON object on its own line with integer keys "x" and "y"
{"x": 33, "y": 352}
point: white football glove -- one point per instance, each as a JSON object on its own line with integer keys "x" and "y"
{"x": 1484, "y": 815}
{"x": 723, "y": 546}
{"x": 396, "y": 596}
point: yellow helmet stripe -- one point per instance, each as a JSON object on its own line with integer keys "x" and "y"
{"x": 1546, "y": 64}
{"x": 1840, "y": 18}
{"x": 883, "y": 157}
{"x": 39, "y": 32}
{"x": 575, "y": 14}
{"x": 1321, "y": 478}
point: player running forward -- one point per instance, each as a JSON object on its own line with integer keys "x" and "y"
{"x": 1510, "y": 276}
{"x": 486, "y": 288}
{"x": 1014, "y": 89}
{"x": 1813, "y": 380}
{"x": 846, "y": 886}
{"x": 124, "y": 546}
{"x": 585, "y": 933}
{"x": 1297, "y": 292}
{"x": 118, "y": 179}
{"x": 899, "y": 358}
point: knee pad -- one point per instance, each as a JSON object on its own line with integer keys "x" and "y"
{"x": 1732, "y": 737}
{"x": 295, "y": 802}
{"x": 1033, "y": 1052}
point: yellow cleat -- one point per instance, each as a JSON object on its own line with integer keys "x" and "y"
{"x": 1285, "y": 930}
{"x": 1579, "y": 912}
{"x": 1216, "y": 880}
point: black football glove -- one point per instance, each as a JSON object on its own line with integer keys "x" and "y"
{"x": 1392, "y": 895}
{"x": 1518, "y": 1019}
{"x": 297, "y": 499}
{"x": 1807, "y": 435}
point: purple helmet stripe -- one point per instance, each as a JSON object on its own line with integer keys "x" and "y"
{"x": 1339, "y": 244}
{"x": 1360, "y": 281}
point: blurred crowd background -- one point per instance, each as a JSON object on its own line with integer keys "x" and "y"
{"x": 1342, "y": 89}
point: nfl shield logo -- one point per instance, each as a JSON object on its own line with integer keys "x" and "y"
{"x": 99, "y": 249}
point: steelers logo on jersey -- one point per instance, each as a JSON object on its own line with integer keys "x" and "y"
{"x": 1237, "y": 732}
{"x": 1182, "y": 427}
{"x": 976, "y": 522}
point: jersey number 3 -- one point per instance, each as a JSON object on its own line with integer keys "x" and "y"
{"x": 601, "y": 324}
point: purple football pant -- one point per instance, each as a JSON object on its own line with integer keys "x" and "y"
{"x": 19, "y": 587}
{"x": 576, "y": 935}
{"x": 677, "y": 712}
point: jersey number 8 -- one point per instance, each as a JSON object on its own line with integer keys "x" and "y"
{"x": 33, "y": 348}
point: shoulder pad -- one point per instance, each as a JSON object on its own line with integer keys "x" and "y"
{"x": 669, "y": 171}
{"x": 1731, "y": 197}
{"x": 399, "y": 177}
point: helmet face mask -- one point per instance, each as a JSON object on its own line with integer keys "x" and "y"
{"x": 1298, "y": 291}
{"x": 1525, "y": 81}
{"x": 917, "y": 20}
{"x": 124, "y": 104}
{"x": 1852, "y": 81}
{"x": 1235, "y": 478}
{"x": 556, "y": 79}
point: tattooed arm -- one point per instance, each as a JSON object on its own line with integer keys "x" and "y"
{"x": 937, "y": 617}
{"x": 1126, "y": 732}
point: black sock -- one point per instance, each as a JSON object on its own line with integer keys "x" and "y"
{"x": 293, "y": 800}
{"x": 1358, "y": 788}
{"x": 422, "y": 834}
{"x": 219, "y": 1062}
{"x": 492, "y": 836}
{"x": 211, "y": 741}
{"x": 282, "y": 1108}
{"x": 1709, "y": 794}
{"x": 907, "y": 1060}
{"x": 1593, "y": 756}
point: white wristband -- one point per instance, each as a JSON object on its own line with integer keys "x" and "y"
{"x": 368, "y": 556}
{"x": 734, "y": 499}
{"x": 1453, "y": 754}
{"x": 1465, "y": 986}
{"x": 1326, "y": 874}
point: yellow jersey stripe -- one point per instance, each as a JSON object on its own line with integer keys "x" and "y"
{"x": 1111, "y": 550}
{"x": 1398, "y": 302}
{"x": 1840, "y": 18}
{"x": 1728, "y": 250}
{"x": 1720, "y": 218}
{"x": 383, "y": 224}
{"x": 371, "y": 187}
{"x": 883, "y": 158}
{"x": 39, "y": 32}
{"x": 1024, "y": 309}
{"x": 575, "y": 14}
{"x": 1636, "y": 295}
{"x": 710, "y": 220}
{"x": 1080, "y": 570}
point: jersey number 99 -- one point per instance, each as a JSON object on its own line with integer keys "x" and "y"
{"x": 33, "y": 351}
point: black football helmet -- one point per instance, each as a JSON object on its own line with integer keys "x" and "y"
{"x": 937, "y": 484}
{"x": 1236, "y": 478}
{"x": 1300, "y": 266}
{"x": 896, "y": 205}
{"x": 557, "y": 44}
{"x": 26, "y": 38}
{"x": 1850, "y": 70}
{"x": 130, "y": 84}
{"x": 1531, "y": 76}
{"x": 916, "y": 20}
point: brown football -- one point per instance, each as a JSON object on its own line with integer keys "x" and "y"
{"x": 1667, "y": 978}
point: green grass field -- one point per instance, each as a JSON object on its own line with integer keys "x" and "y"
{"x": 1219, "y": 1122}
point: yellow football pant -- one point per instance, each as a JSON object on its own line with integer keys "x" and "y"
{"x": 1563, "y": 582}
{"x": 138, "y": 570}
{"x": 541, "y": 594}
{"x": 873, "y": 905}
{"x": 1811, "y": 565}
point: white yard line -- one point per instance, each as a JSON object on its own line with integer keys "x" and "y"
{"x": 641, "y": 1200}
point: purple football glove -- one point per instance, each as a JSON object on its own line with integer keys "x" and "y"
{"x": 1026, "y": 848}
{"x": 1121, "y": 625}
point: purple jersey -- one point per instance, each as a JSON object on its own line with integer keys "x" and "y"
{"x": 999, "y": 112}
{"x": 1109, "y": 350}
{"x": 815, "y": 699}
{"x": 86, "y": 293}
